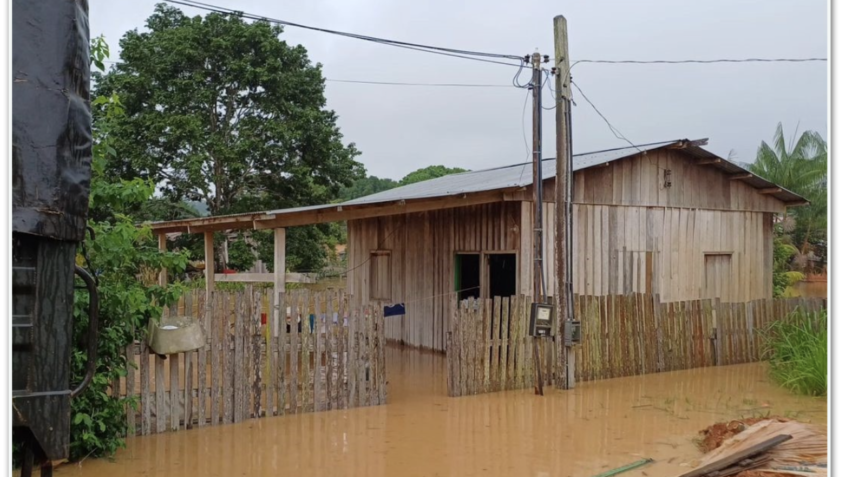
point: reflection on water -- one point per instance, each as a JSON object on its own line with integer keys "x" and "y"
{"x": 583, "y": 432}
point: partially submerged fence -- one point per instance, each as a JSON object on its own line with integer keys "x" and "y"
{"x": 623, "y": 335}
{"x": 489, "y": 348}
{"x": 319, "y": 353}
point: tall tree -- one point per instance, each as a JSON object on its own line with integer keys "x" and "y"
{"x": 800, "y": 166}
{"x": 222, "y": 111}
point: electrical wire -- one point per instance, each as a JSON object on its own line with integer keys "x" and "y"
{"x": 515, "y": 81}
{"x": 390, "y": 83}
{"x": 393, "y": 83}
{"x": 703, "y": 62}
{"x": 693, "y": 61}
{"x": 612, "y": 128}
{"x": 466, "y": 54}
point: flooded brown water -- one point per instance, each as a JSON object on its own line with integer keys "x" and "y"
{"x": 421, "y": 432}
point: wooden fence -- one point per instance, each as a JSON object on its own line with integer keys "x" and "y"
{"x": 489, "y": 349}
{"x": 623, "y": 335}
{"x": 323, "y": 354}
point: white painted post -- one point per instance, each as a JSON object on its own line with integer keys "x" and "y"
{"x": 279, "y": 272}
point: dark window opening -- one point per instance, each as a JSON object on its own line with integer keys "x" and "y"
{"x": 467, "y": 276}
{"x": 502, "y": 271}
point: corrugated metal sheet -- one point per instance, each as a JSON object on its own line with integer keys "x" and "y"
{"x": 506, "y": 177}
{"x": 517, "y": 175}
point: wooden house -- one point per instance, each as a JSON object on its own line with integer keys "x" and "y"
{"x": 668, "y": 218}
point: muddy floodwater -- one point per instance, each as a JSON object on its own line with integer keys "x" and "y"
{"x": 421, "y": 432}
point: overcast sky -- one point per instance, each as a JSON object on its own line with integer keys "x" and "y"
{"x": 402, "y": 128}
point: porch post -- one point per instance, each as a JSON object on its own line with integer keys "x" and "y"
{"x": 279, "y": 271}
{"x": 209, "y": 257}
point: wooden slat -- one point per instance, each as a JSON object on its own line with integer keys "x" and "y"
{"x": 228, "y": 352}
{"x": 504, "y": 325}
{"x": 130, "y": 387}
{"x": 144, "y": 376}
{"x": 159, "y": 366}
{"x": 216, "y": 383}
{"x": 203, "y": 308}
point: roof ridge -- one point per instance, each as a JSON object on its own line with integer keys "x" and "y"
{"x": 575, "y": 155}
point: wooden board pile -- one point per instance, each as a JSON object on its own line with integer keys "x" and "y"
{"x": 763, "y": 448}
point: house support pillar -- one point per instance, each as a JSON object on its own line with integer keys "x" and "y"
{"x": 279, "y": 273}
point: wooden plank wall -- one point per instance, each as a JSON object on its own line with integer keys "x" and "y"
{"x": 326, "y": 355}
{"x": 423, "y": 246}
{"x": 633, "y": 234}
{"x": 623, "y": 335}
{"x": 638, "y": 181}
{"x": 620, "y": 249}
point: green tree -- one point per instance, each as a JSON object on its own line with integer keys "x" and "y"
{"x": 223, "y": 111}
{"x": 121, "y": 255}
{"x": 367, "y": 186}
{"x": 430, "y": 172}
{"x": 799, "y": 166}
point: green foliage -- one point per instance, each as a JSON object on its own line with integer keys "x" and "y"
{"x": 800, "y": 166}
{"x": 797, "y": 350}
{"x": 240, "y": 254}
{"x": 783, "y": 253}
{"x": 366, "y": 186}
{"x": 120, "y": 255}
{"x": 428, "y": 173}
{"x": 223, "y": 111}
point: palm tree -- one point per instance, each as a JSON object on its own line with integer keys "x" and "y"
{"x": 802, "y": 168}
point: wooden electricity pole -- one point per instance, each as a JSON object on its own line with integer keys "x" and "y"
{"x": 539, "y": 288}
{"x": 563, "y": 249}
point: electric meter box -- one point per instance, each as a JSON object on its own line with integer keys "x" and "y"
{"x": 541, "y": 319}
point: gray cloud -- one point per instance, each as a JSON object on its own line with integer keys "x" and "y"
{"x": 400, "y": 129}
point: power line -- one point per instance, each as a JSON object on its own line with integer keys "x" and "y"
{"x": 466, "y": 54}
{"x": 720, "y": 60}
{"x": 390, "y": 83}
{"x": 612, "y": 128}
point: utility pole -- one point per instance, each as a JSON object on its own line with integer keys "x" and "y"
{"x": 539, "y": 288}
{"x": 564, "y": 240}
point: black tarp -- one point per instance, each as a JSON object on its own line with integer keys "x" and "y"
{"x": 51, "y": 118}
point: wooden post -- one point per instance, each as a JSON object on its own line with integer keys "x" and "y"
{"x": 279, "y": 271}
{"x": 209, "y": 256}
{"x": 539, "y": 291}
{"x": 564, "y": 197}
{"x": 163, "y": 274}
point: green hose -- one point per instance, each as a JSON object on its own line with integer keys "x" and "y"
{"x": 620, "y": 470}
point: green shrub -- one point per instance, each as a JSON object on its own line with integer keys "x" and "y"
{"x": 797, "y": 352}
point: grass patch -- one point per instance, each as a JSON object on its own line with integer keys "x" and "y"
{"x": 797, "y": 352}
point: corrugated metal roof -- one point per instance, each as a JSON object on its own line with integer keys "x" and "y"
{"x": 516, "y": 175}
{"x": 521, "y": 175}
{"x": 506, "y": 177}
